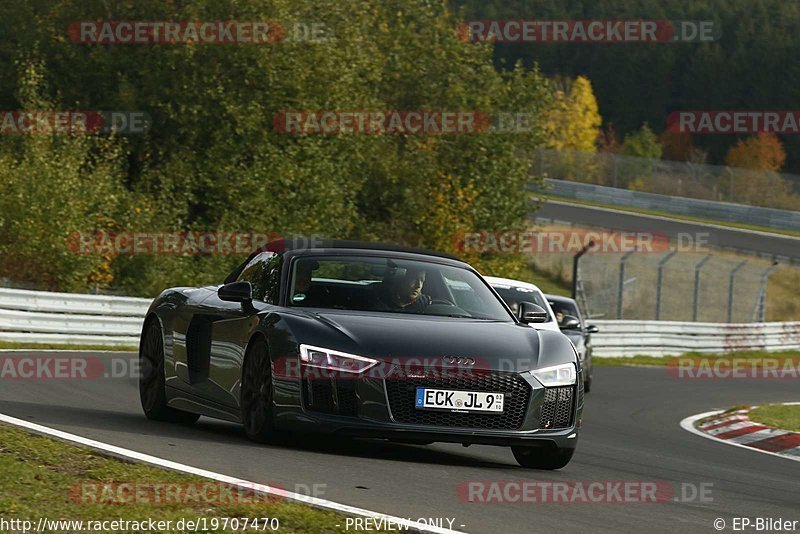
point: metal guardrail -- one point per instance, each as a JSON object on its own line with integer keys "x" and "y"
{"x": 66, "y": 318}
{"x": 663, "y": 338}
{"x": 704, "y": 209}
{"x": 62, "y": 318}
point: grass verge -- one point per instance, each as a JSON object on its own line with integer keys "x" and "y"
{"x": 39, "y": 477}
{"x": 778, "y": 416}
{"x": 9, "y": 345}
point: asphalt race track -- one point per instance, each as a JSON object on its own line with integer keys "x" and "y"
{"x": 765, "y": 244}
{"x": 631, "y": 432}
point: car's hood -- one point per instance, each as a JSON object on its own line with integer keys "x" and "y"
{"x": 400, "y": 337}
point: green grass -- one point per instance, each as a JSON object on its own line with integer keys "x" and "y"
{"x": 56, "y": 346}
{"x": 754, "y": 357}
{"x": 668, "y": 215}
{"x": 547, "y": 282}
{"x": 778, "y": 416}
{"x": 38, "y": 477}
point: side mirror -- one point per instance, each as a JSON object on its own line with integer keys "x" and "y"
{"x": 236, "y": 292}
{"x": 570, "y": 322}
{"x": 592, "y": 329}
{"x": 531, "y": 313}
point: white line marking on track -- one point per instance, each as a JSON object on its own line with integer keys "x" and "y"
{"x": 238, "y": 482}
{"x": 688, "y": 425}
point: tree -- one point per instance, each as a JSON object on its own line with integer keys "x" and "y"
{"x": 574, "y": 121}
{"x": 642, "y": 144}
{"x": 213, "y": 160}
{"x": 761, "y": 152}
{"x": 755, "y": 163}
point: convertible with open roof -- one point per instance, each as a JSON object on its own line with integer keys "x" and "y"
{"x": 367, "y": 340}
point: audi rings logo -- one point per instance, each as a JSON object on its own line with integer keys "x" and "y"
{"x": 453, "y": 360}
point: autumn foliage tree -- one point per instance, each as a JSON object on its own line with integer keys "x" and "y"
{"x": 761, "y": 152}
{"x": 763, "y": 156}
{"x": 574, "y": 121}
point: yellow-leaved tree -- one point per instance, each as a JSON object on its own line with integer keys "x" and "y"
{"x": 574, "y": 122}
{"x": 573, "y": 128}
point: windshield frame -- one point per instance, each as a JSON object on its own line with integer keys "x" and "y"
{"x": 291, "y": 257}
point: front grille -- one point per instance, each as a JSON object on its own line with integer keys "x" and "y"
{"x": 557, "y": 408}
{"x": 402, "y": 394}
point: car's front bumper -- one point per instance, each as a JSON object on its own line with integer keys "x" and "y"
{"x": 371, "y": 412}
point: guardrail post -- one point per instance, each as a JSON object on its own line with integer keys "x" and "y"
{"x": 697, "y": 285}
{"x": 661, "y": 265}
{"x": 731, "y": 282}
{"x": 621, "y": 292}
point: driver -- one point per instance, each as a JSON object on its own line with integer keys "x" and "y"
{"x": 305, "y": 293}
{"x": 403, "y": 293}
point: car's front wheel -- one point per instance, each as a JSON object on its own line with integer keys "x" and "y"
{"x": 542, "y": 457}
{"x": 256, "y": 396}
{"x": 151, "y": 379}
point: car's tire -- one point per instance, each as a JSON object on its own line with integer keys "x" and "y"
{"x": 257, "y": 393}
{"x": 542, "y": 457}
{"x": 151, "y": 379}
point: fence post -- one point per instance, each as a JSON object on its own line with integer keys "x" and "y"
{"x": 697, "y": 285}
{"x": 575, "y": 261}
{"x": 621, "y": 292}
{"x": 661, "y": 265}
{"x": 731, "y": 281}
{"x": 761, "y": 305}
{"x": 730, "y": 183}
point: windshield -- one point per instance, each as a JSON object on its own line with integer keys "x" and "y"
{"x": 564, "y": 309}
{"x": 514, "y": 295}
{"x": 382, "y": 284}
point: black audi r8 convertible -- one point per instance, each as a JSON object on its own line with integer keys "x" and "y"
{"x": 363, "y": 339}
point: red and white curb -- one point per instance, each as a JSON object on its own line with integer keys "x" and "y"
{"x": 736, "y": 428}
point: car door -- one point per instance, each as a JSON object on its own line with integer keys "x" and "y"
{"x": 233, "y": 324}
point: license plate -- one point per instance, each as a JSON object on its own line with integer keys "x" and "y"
{"x": 459, "y": 401}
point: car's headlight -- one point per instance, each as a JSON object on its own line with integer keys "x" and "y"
{"x": 334, "y": 360}
{"x": 558, "y": 375}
